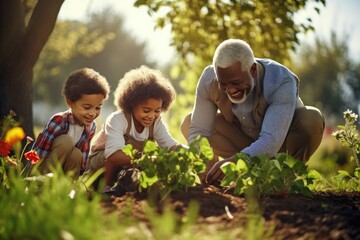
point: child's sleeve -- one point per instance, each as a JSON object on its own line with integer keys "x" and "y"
{"x": 54, "y": 128}
{"x": 162, "y": 135}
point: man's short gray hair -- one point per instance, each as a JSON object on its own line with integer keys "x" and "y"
{"x": 231, "y": 51}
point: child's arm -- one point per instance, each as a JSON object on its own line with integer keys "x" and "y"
{"x": 112, "y": 164}
{"x": 115, "y": 128}
{"x": 120, "y": 158}
{"x": 163, "y": 136}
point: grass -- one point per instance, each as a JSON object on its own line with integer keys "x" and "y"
{"x": 55, "y": 207}
{"x": 52, "y": 207}
{"x": 331, "y": 157}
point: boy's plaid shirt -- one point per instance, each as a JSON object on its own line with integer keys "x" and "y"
{"x": 59, "y": 124}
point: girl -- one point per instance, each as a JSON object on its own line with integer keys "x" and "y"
{"x": 141, "y": 96}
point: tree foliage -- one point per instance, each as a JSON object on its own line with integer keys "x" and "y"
{"x": 69, "y": 40}
{"x": 122, "y": 53}
{"x": 329, "y": 78}
{"x": 25, "y": 27}
{"x": 198, "y": 26}
{"x": 352, "y": 79}
{"x": 101, "y": 43}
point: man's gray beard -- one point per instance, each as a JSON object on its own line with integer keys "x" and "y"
{"x": 246, "y": 94}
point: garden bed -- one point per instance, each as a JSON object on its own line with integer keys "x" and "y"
{"x": 327, "y": 215}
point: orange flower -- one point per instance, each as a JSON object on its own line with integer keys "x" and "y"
{"x": 32, "y": 156}
{"x": 14, "y": 135}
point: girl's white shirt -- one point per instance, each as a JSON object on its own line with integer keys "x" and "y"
{"x": 116, "y": 126}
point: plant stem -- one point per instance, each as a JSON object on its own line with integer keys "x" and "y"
{"x": 356, "y": 156}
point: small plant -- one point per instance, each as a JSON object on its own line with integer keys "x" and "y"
{"x": 11, "y": 135}
{"x": 171, "y": 170}
{"x": 53, "y": 208}
{"x": 264, "y": 176}
{"x": 169, "y": 224}
{"x": 348, "y": 135}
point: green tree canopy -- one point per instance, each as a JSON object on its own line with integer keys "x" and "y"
{"x": 329, "y": 78}
{"x": 101, "y": 43}
{"x": 25, "y": 27}
{"x": 199, "y": 26}
{"x": 70, "y": 39}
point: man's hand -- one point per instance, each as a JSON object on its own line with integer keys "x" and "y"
{"x": 215, "y": 175}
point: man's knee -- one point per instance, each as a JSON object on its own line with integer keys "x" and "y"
{"x": 185, "y": 125}
{"x": 308, "y": 120}
{"x": 305, "y": 133}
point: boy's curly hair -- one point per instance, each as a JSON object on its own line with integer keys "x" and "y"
{"x": 85, "y": 81}
{"x": 141, "y": 84}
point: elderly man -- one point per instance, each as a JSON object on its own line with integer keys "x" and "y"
{"x": 251, "y": 105}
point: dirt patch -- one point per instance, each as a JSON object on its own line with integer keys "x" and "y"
{"x": 327, "y": 215}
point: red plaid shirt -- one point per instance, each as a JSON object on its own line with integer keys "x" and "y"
{"x": 59, "y": 124}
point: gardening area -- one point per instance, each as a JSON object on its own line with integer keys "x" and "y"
{"x": 222, "y": 215}
{"x": 259, "y": 198}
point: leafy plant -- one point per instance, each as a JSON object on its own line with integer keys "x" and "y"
{"x": 263, "y": 175}
{"x": 342, "y": 181}
{"x": 53, "y": 206}
{"x": 352, "y": 182}
{"x": 171, "y": 170}
{"x": 255, "y": 224}
{"x": 169, "y": 224}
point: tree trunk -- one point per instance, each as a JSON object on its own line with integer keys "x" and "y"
{"x": 21, "y": 46}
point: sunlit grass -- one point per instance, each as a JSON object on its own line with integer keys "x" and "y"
{"x": 56, "y": 207}
{"x": 330, "y": 157}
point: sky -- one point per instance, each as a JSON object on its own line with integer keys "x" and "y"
{"x": 341, "y": 16}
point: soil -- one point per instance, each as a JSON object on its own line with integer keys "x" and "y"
{"x": 326, "y": 215}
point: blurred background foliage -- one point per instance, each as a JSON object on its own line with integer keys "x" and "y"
{"x": 100, "y": 43}
{"x": 330, "y": 78}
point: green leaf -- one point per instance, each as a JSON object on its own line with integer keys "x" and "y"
{"x": 314, "y": 174}
{"x": 344, "y": 173}
{"x": 228, "y": 167}
{"x": 150, "y": 146}
{"x": 128, "y": 150}
{"x": 241, "y": 165}
{"x": 277, "y": 164}
{"x": 205, "y": 148}
{"x": 290, "y": 161}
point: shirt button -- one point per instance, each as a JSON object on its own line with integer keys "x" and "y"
{"x": 243, "y": 118}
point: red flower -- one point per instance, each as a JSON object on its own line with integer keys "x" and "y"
{"x": 4, "y": 148}
{"x": 32, "y": 156}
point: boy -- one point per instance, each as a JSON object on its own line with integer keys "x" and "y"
{"x": 66, "y": 138}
